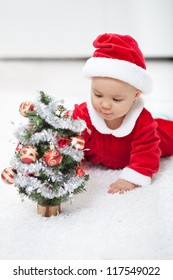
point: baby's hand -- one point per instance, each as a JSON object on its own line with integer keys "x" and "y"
{"x": 121, "y": 186}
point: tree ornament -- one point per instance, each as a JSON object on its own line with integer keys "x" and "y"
{"x": 60, "y": 111}
{"x": 68, "y": 113}
{"x": 80, "y": 172}
{"x": 53, "y": 157}
{"x": 19, "y": 147}
{"x": 62, "y": 142}
{"x": 78, "y": 142}
{"x": 25, "y": 107}
{"x": 31, "y": 128}
{"x": 28, "y": 154}
{"x": 8, "y": 175}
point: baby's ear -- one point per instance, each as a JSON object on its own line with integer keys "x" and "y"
{"x": 138, "y": 93}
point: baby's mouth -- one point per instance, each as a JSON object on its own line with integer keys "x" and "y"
{"x": 106, "y": 114}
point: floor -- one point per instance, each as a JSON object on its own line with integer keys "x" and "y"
{"x": 96, "y": 226}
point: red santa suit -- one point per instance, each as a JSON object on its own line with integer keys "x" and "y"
{"x": 135, "y": 147}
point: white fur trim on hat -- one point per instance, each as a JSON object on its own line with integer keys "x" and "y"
{"x": 135, "y": 177}
{"x": 119, "y": 69}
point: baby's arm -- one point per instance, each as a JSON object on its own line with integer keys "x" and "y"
{"x": 144, "y": 157}
{"x": 121, "y": 186}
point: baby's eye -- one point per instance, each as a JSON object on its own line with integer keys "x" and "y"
{"x": 117, "y": 100}
{"x": 97, "y": 95}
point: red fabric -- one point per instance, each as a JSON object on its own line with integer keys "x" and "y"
{"x": 140, "y": 150}
{"x": 122, "y": 47}
{"x": 165, "y": 130}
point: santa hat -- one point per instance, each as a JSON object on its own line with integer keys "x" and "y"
{"x": 118, "y": 56}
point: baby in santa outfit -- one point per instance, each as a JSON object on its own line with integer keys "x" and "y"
{"x": 121, "y": 133}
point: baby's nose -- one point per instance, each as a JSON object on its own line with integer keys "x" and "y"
{"x": 106, "y": 104}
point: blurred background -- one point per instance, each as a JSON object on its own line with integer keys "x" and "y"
{"x": 44, "y": 45}
{"x": 65, "y": 29}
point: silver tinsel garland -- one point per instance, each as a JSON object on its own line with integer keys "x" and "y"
{"x": 48, "y": 112}
{"x": 32, "y": 184}
{"x": 36, "y": 168}
{"x": 74, "y": 153}
{"x": 43, "y": 136}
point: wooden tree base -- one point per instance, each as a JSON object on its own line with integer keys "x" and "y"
{"x": 48, "y": 211}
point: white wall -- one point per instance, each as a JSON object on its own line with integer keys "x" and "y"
{"x": 66, "y": 28}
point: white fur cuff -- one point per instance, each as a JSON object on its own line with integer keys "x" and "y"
{"x": 135, "y": 177}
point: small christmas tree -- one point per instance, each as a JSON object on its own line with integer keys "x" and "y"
{"x": 47, "y": 165}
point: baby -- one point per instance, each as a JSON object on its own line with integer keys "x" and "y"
{"x": 121, "y": 133}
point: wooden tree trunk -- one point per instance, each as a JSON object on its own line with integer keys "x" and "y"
{"x": 48, "y": 211}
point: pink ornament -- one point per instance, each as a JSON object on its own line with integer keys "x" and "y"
{"x": 31, "y": 128}
{"x": 78, "y": 142}
{"x": 28, "y": 154}
{"x": 53, "y": 157}
{"x": 8, "y": 175}
{"x": 68, "y": 113}
{"x": 62, "y": 142}
{"x": 80, "y": 172}
{"x": 19, "y": 147}
{"x": 25, "y": 107}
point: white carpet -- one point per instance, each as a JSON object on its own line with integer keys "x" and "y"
{"x": 137, "y": 225}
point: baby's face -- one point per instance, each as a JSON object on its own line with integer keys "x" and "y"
{"x": 112, "y": 99}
